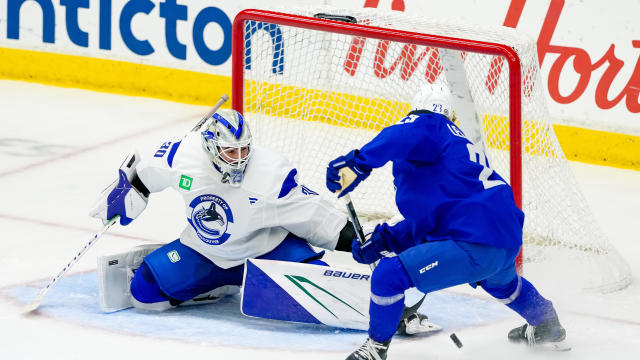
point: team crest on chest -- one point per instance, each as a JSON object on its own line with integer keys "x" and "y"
{"x": 210, "y": 217}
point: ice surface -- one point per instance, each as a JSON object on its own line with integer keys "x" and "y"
{"x": 59, "y": 147}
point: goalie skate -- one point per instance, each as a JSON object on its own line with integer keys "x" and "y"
{"x": 416, "y": 323}
{"x": 413, "y": 322}
{"x": 209, "y": 297}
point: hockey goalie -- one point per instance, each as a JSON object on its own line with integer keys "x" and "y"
{"x": 242, "y": 201}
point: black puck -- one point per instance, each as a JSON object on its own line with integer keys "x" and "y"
{"x": 455, "y": 340}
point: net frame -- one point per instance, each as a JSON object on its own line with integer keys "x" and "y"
{"x": 521, "y": 132}
{"x": 496, "y": 49}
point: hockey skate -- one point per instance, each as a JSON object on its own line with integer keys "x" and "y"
{"x": 413, "y": 322}
{"x": 548, "y": 336}
{"x": 209, "y": 297}
{"x": 416, "y": 323}
{"x": 371, "y": 350}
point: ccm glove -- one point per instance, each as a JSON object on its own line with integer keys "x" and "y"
{"x": 343, "y": 175}
{"x": 122, "y": 198}
{"x": 371, "y": 250}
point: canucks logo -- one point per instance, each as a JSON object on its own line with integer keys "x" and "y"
{"x": 210, "y": 217}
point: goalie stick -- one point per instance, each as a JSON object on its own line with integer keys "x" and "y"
{"x": 215, "y": 108}
{"x": 35, "y": 303}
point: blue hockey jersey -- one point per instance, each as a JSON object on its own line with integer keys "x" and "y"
{"x": 445, "y": 186}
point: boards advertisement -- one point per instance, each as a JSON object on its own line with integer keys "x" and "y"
{"x": 589, "y": 52}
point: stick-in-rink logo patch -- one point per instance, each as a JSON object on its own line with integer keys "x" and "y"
{"x": 173, "y": 256}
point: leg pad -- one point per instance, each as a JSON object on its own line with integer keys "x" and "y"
{"x": 115, "y": 273}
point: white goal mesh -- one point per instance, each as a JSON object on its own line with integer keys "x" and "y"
{"x": 317, "y": 94}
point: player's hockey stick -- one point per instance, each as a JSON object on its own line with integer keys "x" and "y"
{"x": 354, "y": 219}
{"x": 36, "y": 301}
{"x": 215, "y": 108}
{"x": 361, "y": 237}
{"x": 351, "y": 211}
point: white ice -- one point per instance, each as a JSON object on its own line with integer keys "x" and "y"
{"x": 59, "y": 147}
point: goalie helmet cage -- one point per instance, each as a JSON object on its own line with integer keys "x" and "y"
{"x": 318, "y": 83}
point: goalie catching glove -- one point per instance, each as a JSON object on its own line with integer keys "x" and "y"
{"x": 343, "y": 174}
{"x": 126, "y": 197}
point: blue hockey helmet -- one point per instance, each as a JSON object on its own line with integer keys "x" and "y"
{"x": 227, "y": 140}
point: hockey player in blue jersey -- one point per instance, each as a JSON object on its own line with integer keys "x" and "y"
{"x": 461, "y": 224}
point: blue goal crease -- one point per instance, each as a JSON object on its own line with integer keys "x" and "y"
{"x": 75, "y": 299}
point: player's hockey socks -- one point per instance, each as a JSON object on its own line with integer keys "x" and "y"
{"x": 371, "y": 350}
{"x": 549, "y": 336}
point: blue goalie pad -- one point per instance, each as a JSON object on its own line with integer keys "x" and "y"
{"x": 307, "y": 293}
{"x": 264, "y": 298}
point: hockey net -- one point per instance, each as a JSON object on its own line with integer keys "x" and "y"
{"x": 314, "y": 89}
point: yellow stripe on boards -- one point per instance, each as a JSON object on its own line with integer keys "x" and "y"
{"x": 112, "y": 76}
{"x": 536, "y": 138}
{"x": 324, "y": 106}
{"x": 578, "y": 144}
{"x": 599, "y": 147}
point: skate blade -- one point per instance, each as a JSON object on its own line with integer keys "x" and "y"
{"x": 553, "y": 346}
{"x": 202, "y": 300}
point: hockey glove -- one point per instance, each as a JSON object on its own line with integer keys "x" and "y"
{"x": 371, "y": 250}
{"x": 122, "y": 198}
{"x": 343, "y": 175}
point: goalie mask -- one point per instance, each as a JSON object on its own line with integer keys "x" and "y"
{"x": 227, "y": 141}
{"x": 435, "y": 98}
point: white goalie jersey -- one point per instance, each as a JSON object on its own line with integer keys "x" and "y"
{"x": 229, "y": 224}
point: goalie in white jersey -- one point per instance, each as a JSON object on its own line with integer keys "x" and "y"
{"x": 242, "y": 201}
